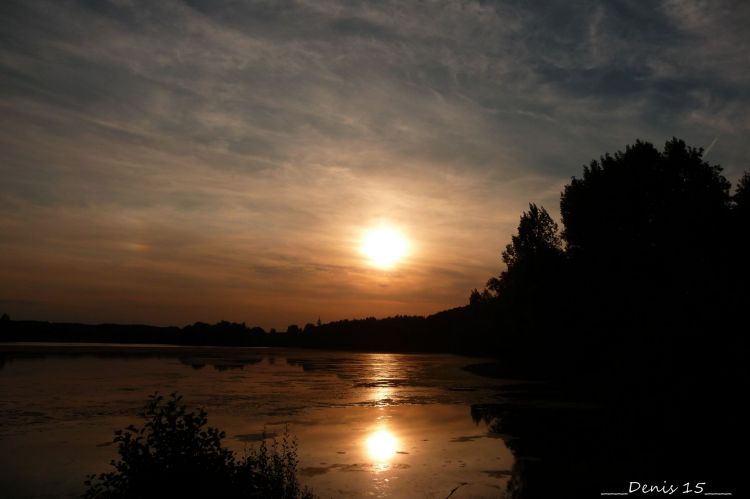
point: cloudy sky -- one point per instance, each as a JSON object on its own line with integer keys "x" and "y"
{"x": 167, "y": 162}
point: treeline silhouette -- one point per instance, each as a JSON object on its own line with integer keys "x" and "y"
{"x": 459, "y": 330}
{"x": 221, "y": 333}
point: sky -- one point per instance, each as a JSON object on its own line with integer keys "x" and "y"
{"x": 169, "y": 162}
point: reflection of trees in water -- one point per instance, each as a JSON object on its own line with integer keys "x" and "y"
{"x": 196, "y": 362}
{"x": 220, "y": 364}
{"x": 568, "y": 449}
{"x": 383, "y": 373}
{"x": 557, "y": 452}
{"x": 40, "y": 353}
{"x": 486, "y": 413}
{"x": 228, "y": 367}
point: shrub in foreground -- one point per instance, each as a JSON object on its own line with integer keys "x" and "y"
{"x": 176, "y": 454}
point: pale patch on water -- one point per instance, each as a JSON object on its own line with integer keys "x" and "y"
{"x": 368, "y": 425}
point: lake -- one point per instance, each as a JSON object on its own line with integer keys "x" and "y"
{"x": 367, "y": 424}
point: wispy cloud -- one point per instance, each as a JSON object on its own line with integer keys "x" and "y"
{"x": 175, "y": 161}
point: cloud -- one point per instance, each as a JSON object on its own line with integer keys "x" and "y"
{"x": 204, "y": 160}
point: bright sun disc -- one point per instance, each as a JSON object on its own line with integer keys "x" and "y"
{"x": 381, "y": 445}
{"x": 384, "y": 247}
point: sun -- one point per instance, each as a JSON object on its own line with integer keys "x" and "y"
{"x": 384, "y": 247}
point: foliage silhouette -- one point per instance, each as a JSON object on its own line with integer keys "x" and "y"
{"x": 537, "y": 240}
{"x": 741, "y": 196}
{"x": 528, "y": 290}
{"x": 534, "y": 253}
{"x": 645, "y": 199}
{"x": 647, "y": 233}
{"x": 175, "y": 454}
{"x": 741, "y": 218}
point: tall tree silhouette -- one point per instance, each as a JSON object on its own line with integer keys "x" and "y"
{"x": 525, "y": 295}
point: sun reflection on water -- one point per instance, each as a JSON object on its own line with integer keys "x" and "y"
{"x": 381, "y": 445}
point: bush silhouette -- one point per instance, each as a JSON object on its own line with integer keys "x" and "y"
{"x": 175, "y": 454}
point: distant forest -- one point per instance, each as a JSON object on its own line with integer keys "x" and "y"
{"x": 652, "y": 255}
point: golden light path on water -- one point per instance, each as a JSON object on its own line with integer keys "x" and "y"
{"x": 381, "y": 444}
{"x": 393, "y": 445}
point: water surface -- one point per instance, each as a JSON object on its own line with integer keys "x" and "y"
{"x": 368, "y": 425}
